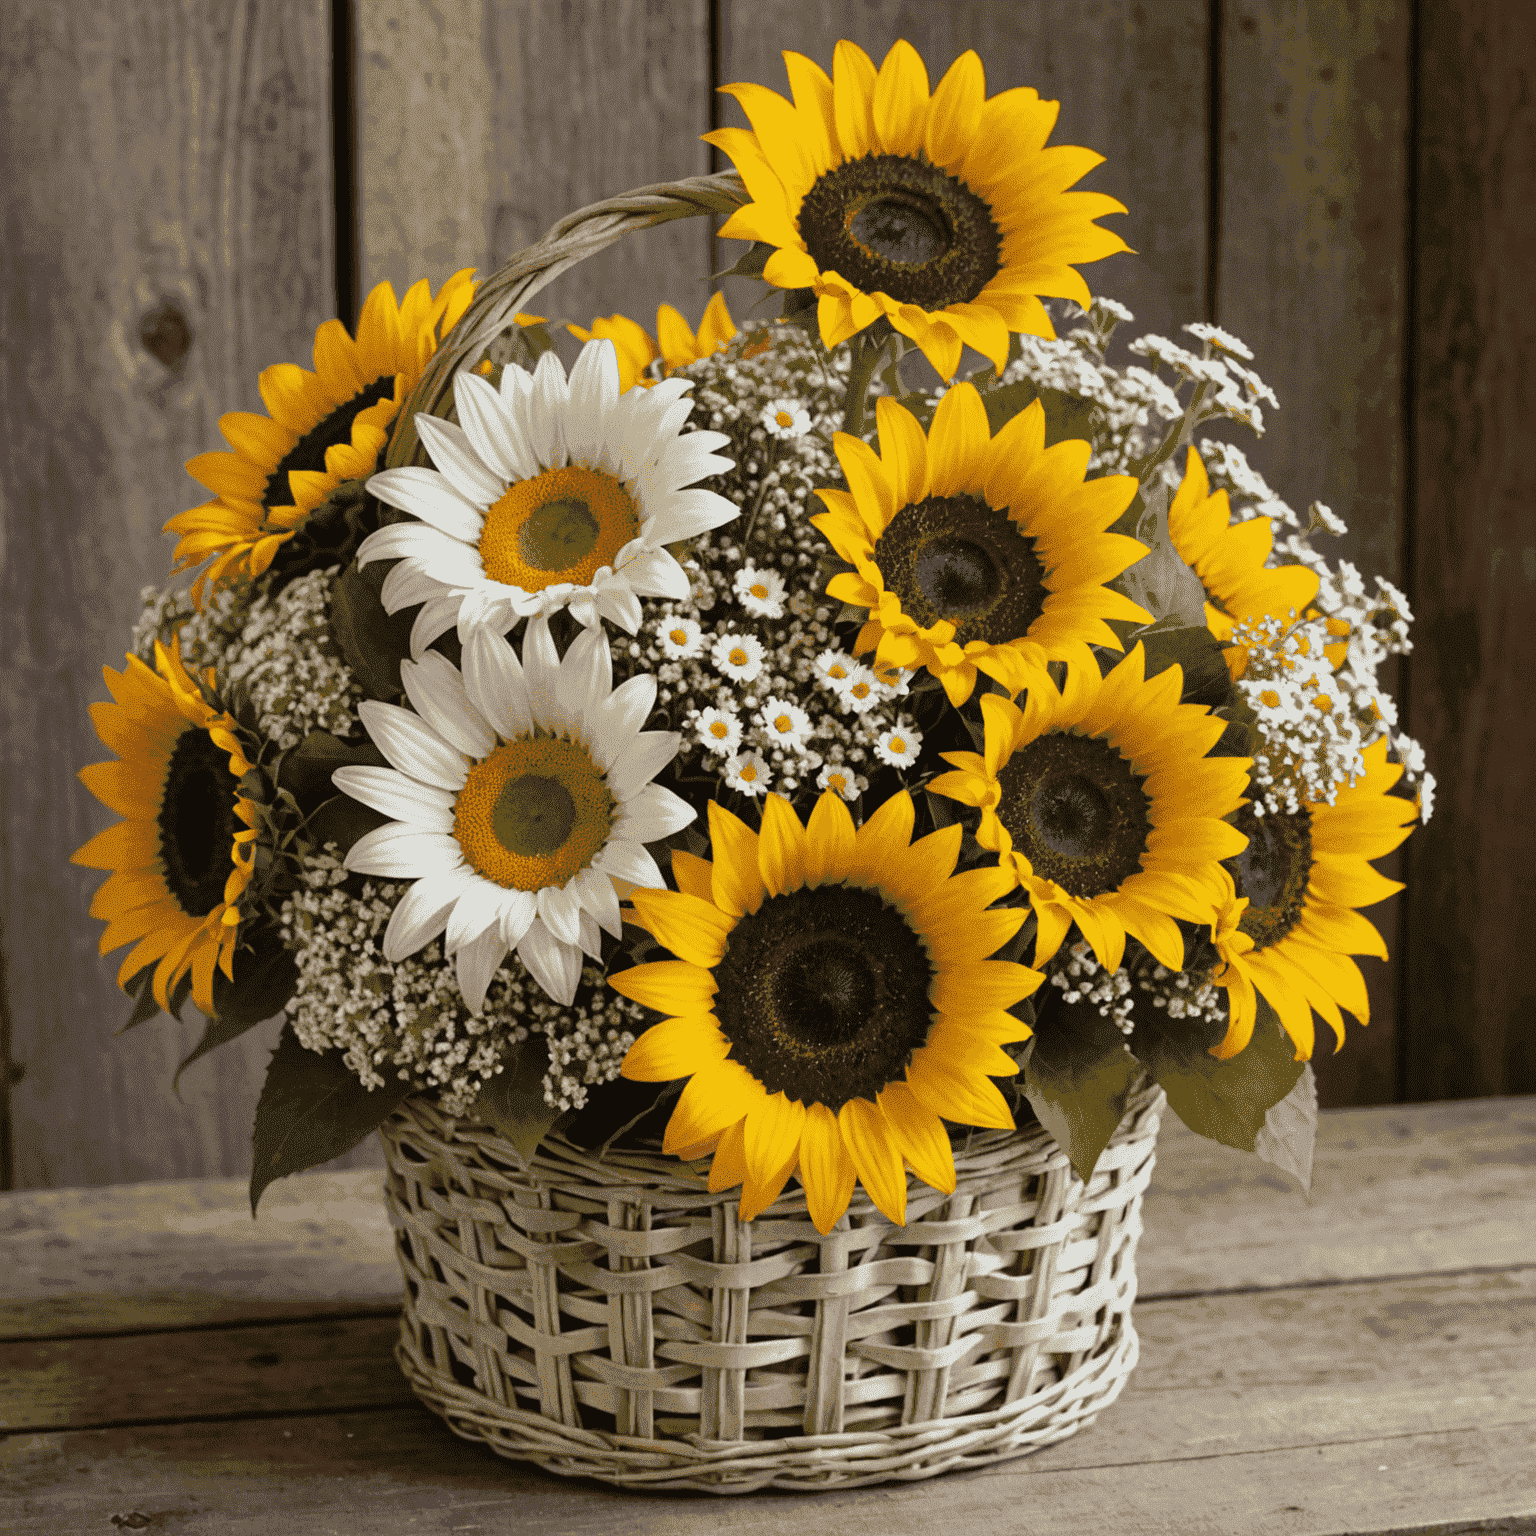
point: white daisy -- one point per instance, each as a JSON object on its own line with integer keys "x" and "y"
{"x": 679, "y": 638}
{"x": 784, "y": 723}
{"x": 748, "y": 773}
{"x": 523, "y": 795}
{"x": 846, "y": 783}
{"x": 740, "y": 657}
{"x": 893, "y": 682}
{"x": 786, "y": 418}
{"x": 833, "y": 670}
{"x": 899, "y": 748}
{"x": 548, "y": 494}
{"x": 861, "y": 692}
{"x": 761, "y": 592}
{"x": 719, "y": 730}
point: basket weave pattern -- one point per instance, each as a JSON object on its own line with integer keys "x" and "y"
{"x": 613, "y": 1319}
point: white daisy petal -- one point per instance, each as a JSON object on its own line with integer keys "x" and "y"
{"x": 586, "y": 672}
{"x": 541, "y": 671}
{"x": 686, "y": 513}
{"x": 418, "y": 805}
{"x": 594, "y": 391}
{"x": 620, "y": 606}
{"x": 426, "y": 494}
{"x": 405, "y": 585}
{"x": 616, "y": 722}
{"x": 493, "y": 679}
{"x": 516, "y": 911}
{"x": 652, "y": 813}
{"x": 436, "y": 690}
{"x": 492, "y": 430}
{"x": 558, "y": 911}
{"x": 652, "y": 572}
{"x": 646, "y": 756}
{"x": 476, "y": 911}
{"x": 401, "y": 852}
{"x": 546, "y": 410}
{"x": 398, "y": 541}
{"x": 422, "y": 912}
{"x": 476, "y": 964}
{"x": 594, "y": 890}
{"x": 590, "y": 934}
{"x": 411, "y": 745}
{"x": 555, "y": 966}
{"x": 437, "y": 617}
{"x": 631, "y": 862}
{"x": 457, "y": 461}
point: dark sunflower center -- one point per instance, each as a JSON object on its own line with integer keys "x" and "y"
{"x": 533, "y": 816}
{"x": 901, "y": 226}
{"x": 197, "y": 822}
{"x": 957, "y": 558}
{"x": 1077, "y": 811}
{"x": 329, "y": 432}
{"x": 1272, "y": 872}
{"x": 557, "y": 535}
{"x": 823, "y": 994}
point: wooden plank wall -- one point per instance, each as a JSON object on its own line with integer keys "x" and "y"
{"x": 1345, "y": 187}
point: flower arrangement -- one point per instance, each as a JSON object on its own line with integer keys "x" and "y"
{"x": 732, "y": 740}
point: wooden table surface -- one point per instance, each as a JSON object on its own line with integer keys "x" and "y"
{"x": 1363, "y": 1362}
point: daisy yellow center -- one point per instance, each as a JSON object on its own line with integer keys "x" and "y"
{"x": 837, "y": 781}
{"x": 783, "y": 723}
{"x": 757, "y": 589}
{"x": 958, "y": 559}
{"x": 899, "y": 225}
{"x": 783, "y": 418}
{"x": 331, "y": 431}
{"x": 1076, "y": 810}
{"x": 533, "y": 813}
{"x": 197, "y": 822}
{"x": 860, "y": 690}
{"x": 838, "y": 672}
{"x": 749, "y": 772}
{"x": 719, "y": 729}
{"x": 898, "y": 746}
{"x": 738, "y": 656}
{"x": 561, "y": 526}
{"x": 678, "y": 637}
{"x": 824, "y": 994}
{"x": 1272, "y": 872}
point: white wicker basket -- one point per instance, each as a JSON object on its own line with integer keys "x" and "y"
{"x": 611, "y": 1318}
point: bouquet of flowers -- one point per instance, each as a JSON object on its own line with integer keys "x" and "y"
{"x": 736, "y": 741}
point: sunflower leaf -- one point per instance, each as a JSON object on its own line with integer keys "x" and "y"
{"x": 373, "y": 642}
{"x": 512, "y": 1102}
{"x": 1078, "y": 1077}
{"x": 1160, "y": 581}
{"x": 312, "y": 1108}
{"x": 751, "y": 261}
{"x": 263, "y": 983}
{"x": 141, "y": 989}
{"x": 1195, "y": 650}
{"x": 305, "y": 772}
{"x": 1289, "y": 1133}
{"x": 1227, "y": 1101}
{"x": 343, "y": 820}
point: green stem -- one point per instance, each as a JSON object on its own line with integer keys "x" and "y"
{"x": 762, "y": 489}
{"x": 860, "y": 372}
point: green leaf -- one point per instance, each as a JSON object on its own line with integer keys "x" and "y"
{"x": 1197, "y": 653}
{"x": 305, "y": 772}
{"x": 512, "y": 1102}
{"x": 1066, "y": 416}
{"x": 266, "y": 975}
{"x": 373, "y": 642}
{"x": 141, "y": 989}
{"x": 342, "y": 820}
{"x": 1078, "y": 1077}
{"x": 751, "y": 261}
{"x": 1290, "y": 1130}
{"x": 1160, "y": 581}
{"x": 1228, "y": 1101}
{"x": 312, "y": 1108}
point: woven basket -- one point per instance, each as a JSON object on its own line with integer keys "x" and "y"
{"x": 611, "y": 1318}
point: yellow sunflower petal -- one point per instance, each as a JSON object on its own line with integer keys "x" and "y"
{"x": 781, "y": 848}
{"x": 921, "y": 1136}
{"x": 871, "y": 1143}
{"x": 693, "y": 930}
{"x": 826, "y": 1169}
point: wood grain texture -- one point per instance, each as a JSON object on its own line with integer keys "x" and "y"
{"x": 1130, "y": 80}
{"x": 424, "y": 152}
{"x": 1313, "y": 208}
{"x": 589, "y": 101}
{"x": 1472, "y": 895}
{"x": 162, "y": 160}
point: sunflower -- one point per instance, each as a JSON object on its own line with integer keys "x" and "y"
{"x": 322, "y": 428}
{"x": 1287, "y": 925}
{"x": 679, "y": 346}
{"x": 524, "y": 798}
{"x": 1103, "y": 802}
{"x": 548, "y": 494}
{"x": 974, "y": 553}
{"x": 1229, "y": 558}
{"x": 831, "y": 1000}
{"x": 948, "y": 216}
{"x": 183, "y": 856}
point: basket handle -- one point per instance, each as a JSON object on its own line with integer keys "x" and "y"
{"x": 576, "y": 236}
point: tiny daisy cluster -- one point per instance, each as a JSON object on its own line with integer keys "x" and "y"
{"x": 1185, "y": 995}
{"x": 409, "y": 1016}
{"x": 204, "y": 636}
{"x": 289, "y": 661}
{"x": 1081, "y": 979}
{"x": 1231, "y": 390}
{"x": 1309, "y": 740}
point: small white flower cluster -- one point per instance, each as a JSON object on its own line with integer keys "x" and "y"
{"x": 1083, "y": 980}
{"x": 204, "y": 635}
{"x": 1236, "y": 390}
{"x": 289, "y": 660}
{"x": 409, "y": 1015}
{"x": 1185, "y": 995}
{"x": 1309, "y": 739}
